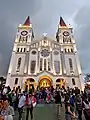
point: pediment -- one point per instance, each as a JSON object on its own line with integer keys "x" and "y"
{"x": 45, "y": 41}
{"x": 45, "y": 73}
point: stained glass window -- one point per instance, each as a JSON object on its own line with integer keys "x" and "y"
{"x": 49, "y": 65}
{"x": 41, "y": 64}
{"x": 45, "y": 53}
{"x": 57, "y": 66}
{"x": 44, "y": 64}
{"x": 33, "y": 52}
{"x": 33, "y": 64}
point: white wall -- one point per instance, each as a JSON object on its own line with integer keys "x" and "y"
{"x": 67, "y": 56}
{"x": 15, "y": 63}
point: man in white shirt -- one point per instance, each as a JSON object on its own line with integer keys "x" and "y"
{"x": 21, "y": 105}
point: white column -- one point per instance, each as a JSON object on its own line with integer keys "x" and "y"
{"x": 11, "y": 62}
{"x": 79, "y": 71}
{"x": 38, "y": 62}
{"x": 29, "y": 65}
{"x": 60, "y": 66}
{"x": 63, "y": 63}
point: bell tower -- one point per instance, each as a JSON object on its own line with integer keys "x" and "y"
{"x": 20, "y": 54}
{"x": 69, "y": 54}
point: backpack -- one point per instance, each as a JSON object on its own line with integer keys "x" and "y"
{"x": 71, "y": 101}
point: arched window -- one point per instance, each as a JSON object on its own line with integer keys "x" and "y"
{"x": 24, "y": 49}
{"x": 19, "y": 63}
{"x": 21, "y": 50}
{"x": 41, "y": 64}
{"x": 44, "y": 64}
{"x": 73, "y": 81}
{"x": 58, "y": 80}
{"x": 70, "y": 64}
{"x": 57, "y": 66}
{"x": 65, "y": 50}
{"x": 18, "y": 50}
{"x": 68, "y": 50}
{"x": 71, "y": 50}
{"x": 16, "y": 81}
{"x": 30, "y": 80}
{"x": 49, "y": 68}
{"x": 33, "y": 64}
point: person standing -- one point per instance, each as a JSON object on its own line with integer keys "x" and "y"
{"x": 29, "y": 106}
{"x": 79, "y": 106}
{"x": 69, "y": 113}
{"x": 21, "y": 104}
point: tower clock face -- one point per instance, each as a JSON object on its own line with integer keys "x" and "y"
{"x": 66, "y": 33}
{"x": 24, "y": 33}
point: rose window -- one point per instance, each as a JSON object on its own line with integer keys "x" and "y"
{"x": 45, "y": 53}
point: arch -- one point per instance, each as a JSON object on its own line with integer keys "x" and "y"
{"x": 71, "y": 50}
{"x": 47, "y": 77}
{"x": 45, "y": 81}
{"x": 29, "y": 84}
{"x": 30, "y": 79}
{"x": 60, "y": 82}
{"x": 32, "y": 51}
{"x": 65, "y": 50}
{"x": 68, "y": 50}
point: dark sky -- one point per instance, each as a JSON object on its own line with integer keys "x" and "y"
{"x": 44, "y": 16}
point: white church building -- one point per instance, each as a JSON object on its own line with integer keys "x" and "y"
{"x": 44, "y": 62}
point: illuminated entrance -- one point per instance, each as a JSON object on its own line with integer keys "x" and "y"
{"x": 45, "y": 81}
{"x": 29, "y": 84}
{"x": 60, "y": 83}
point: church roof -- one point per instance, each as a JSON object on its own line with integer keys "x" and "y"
{"x": 62, "y": 23}
{"x": 27, "y": 22}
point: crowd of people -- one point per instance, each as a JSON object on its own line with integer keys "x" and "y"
{"x": 76, "y": 102}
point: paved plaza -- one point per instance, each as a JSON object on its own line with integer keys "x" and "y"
{"x": 45, "y": 112}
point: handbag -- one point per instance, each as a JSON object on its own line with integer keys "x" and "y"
{"x": 8, "y": 117}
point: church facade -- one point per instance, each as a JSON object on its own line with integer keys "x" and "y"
{"x": 44, "y": 62}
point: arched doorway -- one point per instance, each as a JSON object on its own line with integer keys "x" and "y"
{"x": 45, "y": 81}
{"x": 60, "y": 83}
{"x": 29, "y": 84}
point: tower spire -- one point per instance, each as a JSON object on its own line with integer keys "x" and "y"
{"x": 27, "y": 22}
{"x": 62, "y": 23}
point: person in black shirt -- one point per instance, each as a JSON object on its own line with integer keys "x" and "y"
{"x": 68, "y": 109}
{"x": 58, "y": 98}
{"x": 79, "y": 106}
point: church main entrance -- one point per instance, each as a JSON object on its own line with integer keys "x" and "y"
{"x": 45, "y": 81}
